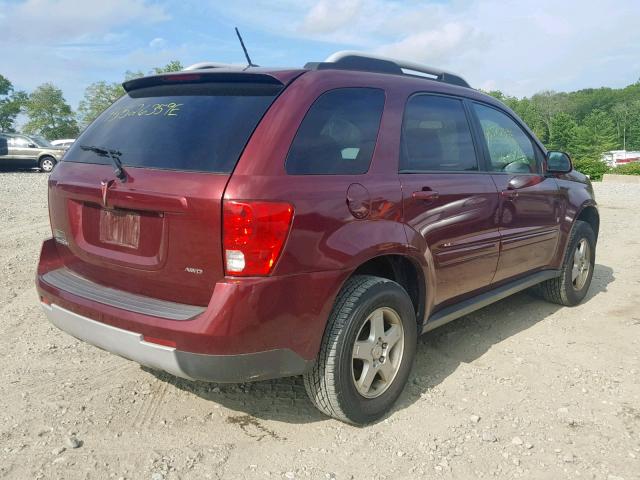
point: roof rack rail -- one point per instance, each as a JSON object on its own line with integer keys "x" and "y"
{"x": 353, "y": 60}
{"x": 203, "y": 65}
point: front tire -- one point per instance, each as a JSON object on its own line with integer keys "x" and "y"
{"x": 572, "y": 285}
{"x": 367, "y": 351}
{"x": 46, "y": 164}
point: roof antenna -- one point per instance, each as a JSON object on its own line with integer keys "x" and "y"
{"x": 246, "y": 54}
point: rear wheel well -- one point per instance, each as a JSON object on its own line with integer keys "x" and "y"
{"x": 590, "y": 215}
{"x": 402, "y": 271}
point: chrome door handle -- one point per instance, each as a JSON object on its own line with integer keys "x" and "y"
{"x": 428, "y": 195}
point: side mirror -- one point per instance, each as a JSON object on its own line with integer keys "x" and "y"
{"x": 32, "y": 145}
{"x": 558, "y": 162}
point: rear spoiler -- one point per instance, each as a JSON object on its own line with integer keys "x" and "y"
{"x": 276, "y": 78}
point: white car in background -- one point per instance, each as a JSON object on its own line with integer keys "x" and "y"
{"x": 63, "y": 142}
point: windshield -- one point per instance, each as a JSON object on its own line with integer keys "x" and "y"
{"x": 198, "y": 127}
{"x": 41, "y": 141}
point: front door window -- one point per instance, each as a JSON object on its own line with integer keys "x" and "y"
{"x": 510, "y": 149}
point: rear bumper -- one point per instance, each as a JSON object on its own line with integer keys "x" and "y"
{"x": 192, "y": 366}
{"x": 253, "y": 328}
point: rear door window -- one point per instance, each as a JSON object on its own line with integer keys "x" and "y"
{"x": 436, "y": 136}
{"x": 198, "y": 127}
{"x": 338, "y": 134}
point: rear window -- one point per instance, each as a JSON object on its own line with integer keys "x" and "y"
{"x": 338, "y": 134}
{"x": 199, "y": 127}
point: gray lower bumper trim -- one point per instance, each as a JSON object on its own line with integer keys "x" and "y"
{"x": 65, "y": 279}
{"x": 192, "y": 366}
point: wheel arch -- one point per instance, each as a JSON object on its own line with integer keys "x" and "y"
{"x": 401, "y": 269}
{"x": 589, "y": 213}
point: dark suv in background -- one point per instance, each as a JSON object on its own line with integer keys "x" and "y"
{"x": 229, "y": 224}
{"x": 28, "y": 151}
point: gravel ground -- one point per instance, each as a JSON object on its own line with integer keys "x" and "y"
{"x": 520, "y": 389}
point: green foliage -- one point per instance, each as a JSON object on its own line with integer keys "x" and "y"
{"x": 527, "y": 111}
{"x": 595, "y": 135}
{"x": 49, "y": 114}
{"x": 6, "y": 87}
{"x": 172, "y": 66}
{"x": 546, "y": 105}
{"x": 594, "y": 168}
{"x": 627, "y": 169}
{"x": 98, "y": 97}
{"x": 583, "y": 102}
{"x": 632, "y": 134}
{"x": 563, "y": 132}
{"x": 11, "y": 104}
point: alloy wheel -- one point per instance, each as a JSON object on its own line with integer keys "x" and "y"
{"x": 581, "y": 264}
{"x": 377, "y": 352}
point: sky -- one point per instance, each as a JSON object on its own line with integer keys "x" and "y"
{"x": 518, "y": 47}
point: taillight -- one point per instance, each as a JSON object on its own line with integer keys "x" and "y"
{"x": 253, "y": 234}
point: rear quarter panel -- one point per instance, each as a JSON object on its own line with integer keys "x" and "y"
{"x": 325, "y": 237}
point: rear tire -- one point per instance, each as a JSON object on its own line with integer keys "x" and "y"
{"x": 572, "y": 285}
{"x": 46, "y": 164}
{"x": 367, "y": 351}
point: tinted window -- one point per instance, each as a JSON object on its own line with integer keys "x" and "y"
{"x": 42, "y": 142}
{"x": 201, "y": 127}
{"x": 338, "y": 134}
{"x": 510, "y": 149}
{"x": 436, "y": 136}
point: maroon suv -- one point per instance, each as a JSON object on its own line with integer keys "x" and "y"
{"x": 230, "y": 225}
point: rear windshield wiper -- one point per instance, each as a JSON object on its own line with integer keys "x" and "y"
{"x": 111, "y": 154}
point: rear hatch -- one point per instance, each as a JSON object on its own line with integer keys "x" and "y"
{"x": 158, "y": 233}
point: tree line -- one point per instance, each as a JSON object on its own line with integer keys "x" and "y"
{"x": 584, "y": 123}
